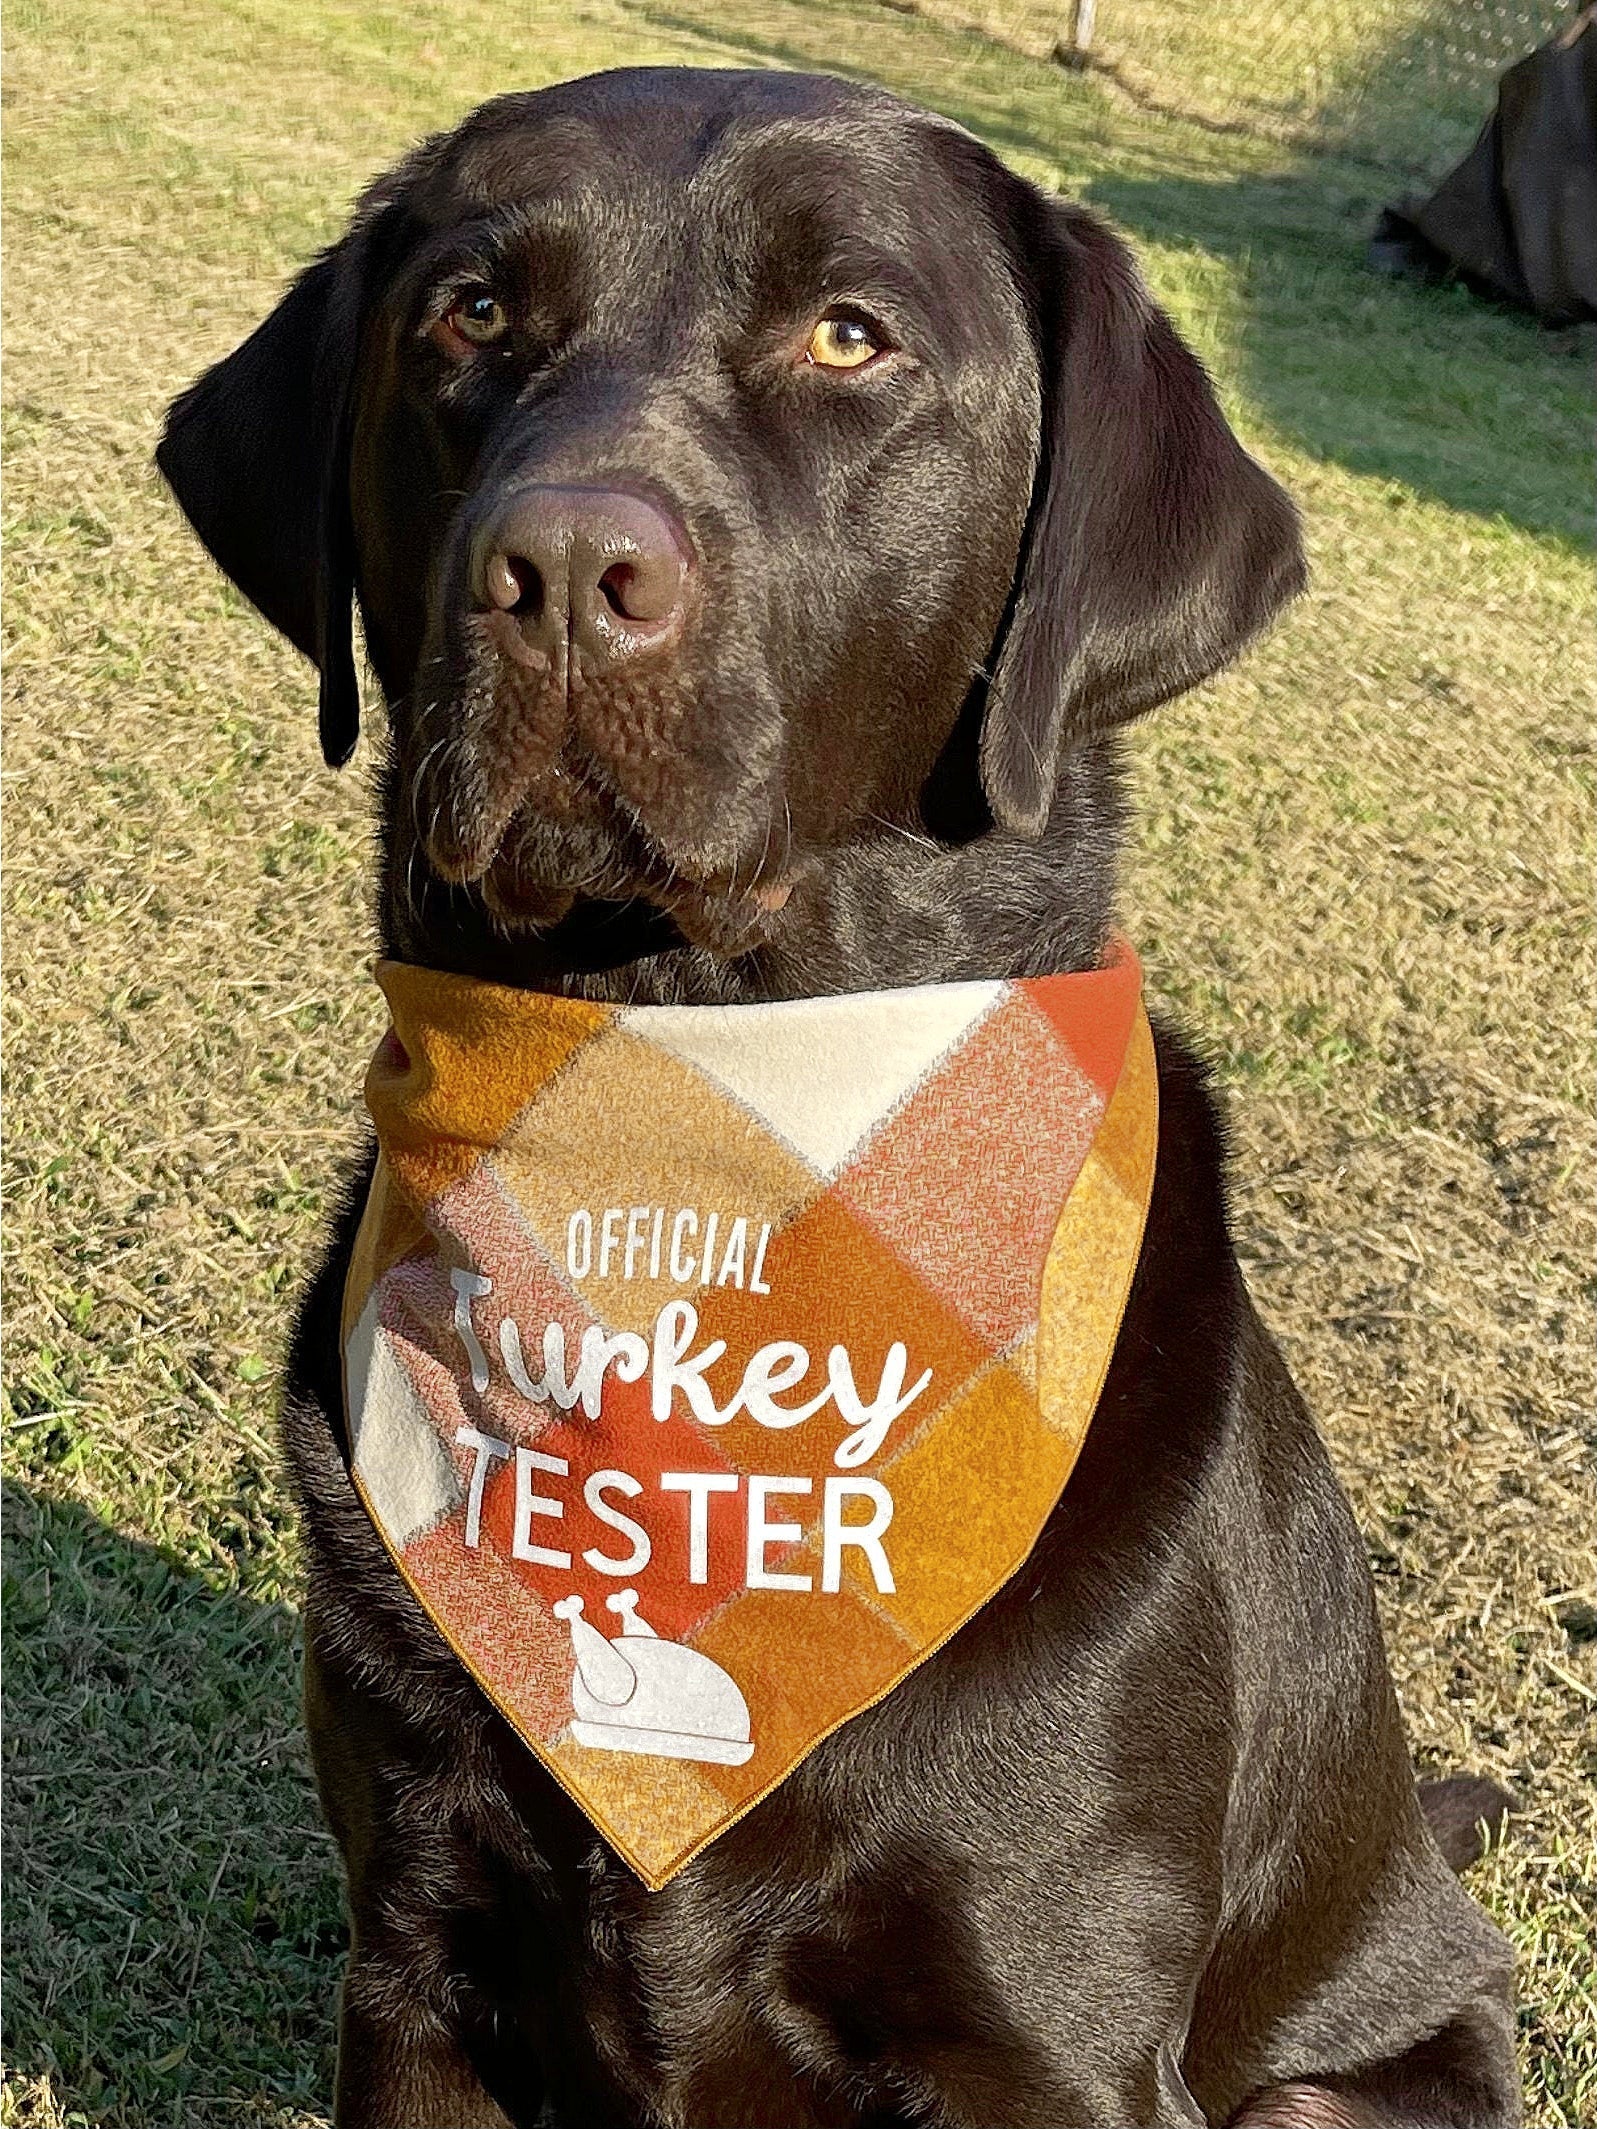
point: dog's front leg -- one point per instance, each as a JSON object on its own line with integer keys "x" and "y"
{"x": 413, "y": 2000}
{"x": 399, "y": 2067}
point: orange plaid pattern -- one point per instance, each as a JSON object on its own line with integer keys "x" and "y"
{"x": 708, "y": 1367}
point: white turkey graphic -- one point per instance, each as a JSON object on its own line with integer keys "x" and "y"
{"x": 642, "y": 1694}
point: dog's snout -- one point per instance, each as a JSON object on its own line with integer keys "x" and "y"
{"x": 598, "y": 570}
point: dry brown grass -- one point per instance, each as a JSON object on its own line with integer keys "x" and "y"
{"x": 1361, "y": 878}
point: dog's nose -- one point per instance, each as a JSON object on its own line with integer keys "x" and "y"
{"x": 605, "y": 571}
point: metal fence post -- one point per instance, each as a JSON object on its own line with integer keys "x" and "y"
{"x": 1075, "y": 48}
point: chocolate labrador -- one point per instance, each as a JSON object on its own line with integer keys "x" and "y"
{"x": 764, "y": 510}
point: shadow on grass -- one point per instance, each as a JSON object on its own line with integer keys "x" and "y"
{"x": 174, "y": 1932}
{"x": 1425, "y": 387}
{"x": 1471, "y": 406}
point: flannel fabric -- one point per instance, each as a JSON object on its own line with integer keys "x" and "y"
{"x": 708, "y": 1367}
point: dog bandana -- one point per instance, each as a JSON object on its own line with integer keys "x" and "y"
{"x": 707, "y": 1367}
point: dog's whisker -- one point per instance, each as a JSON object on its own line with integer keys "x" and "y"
{"x": 418, "y": 782}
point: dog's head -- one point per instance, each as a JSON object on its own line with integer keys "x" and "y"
{"x": 712, "y": 457}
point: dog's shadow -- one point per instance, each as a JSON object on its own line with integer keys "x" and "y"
{"x": 1446, "y": 397}
{"x": 174, "y": 1922}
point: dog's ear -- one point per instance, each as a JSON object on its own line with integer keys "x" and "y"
{"x": 257, "y": 454}
{"x": 1155, "y": 546}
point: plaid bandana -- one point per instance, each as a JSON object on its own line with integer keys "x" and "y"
{"x": 707, "y": 1367}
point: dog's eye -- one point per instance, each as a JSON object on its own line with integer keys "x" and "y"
{"x": 843, "y": 341}
{"x": 478, "y": 319}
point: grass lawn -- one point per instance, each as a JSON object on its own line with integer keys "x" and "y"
{"x": 1360, "y": 877}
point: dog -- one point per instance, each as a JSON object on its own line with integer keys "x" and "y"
{"x": 765, "y": 510}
